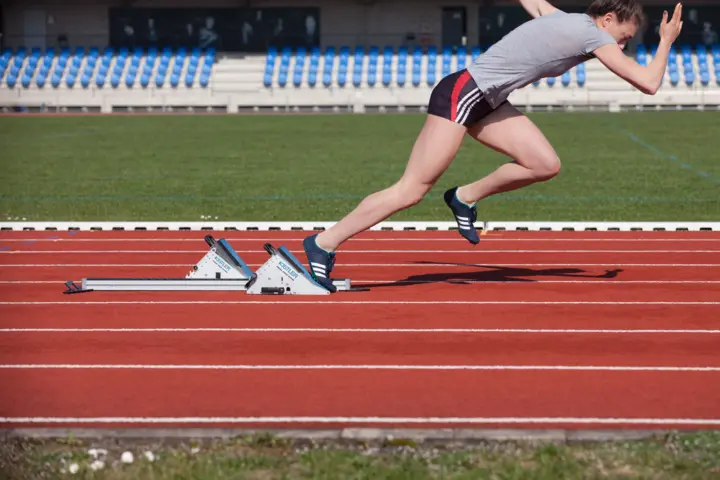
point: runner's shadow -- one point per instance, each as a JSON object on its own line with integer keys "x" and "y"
{"x": 492, "y": 273}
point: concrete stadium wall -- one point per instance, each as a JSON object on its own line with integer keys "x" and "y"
{"x": 380, "y": 22}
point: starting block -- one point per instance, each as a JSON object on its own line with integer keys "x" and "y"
{"x": 223, "y": 269}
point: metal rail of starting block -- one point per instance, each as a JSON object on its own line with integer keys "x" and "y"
{"x": 223, "y": 269}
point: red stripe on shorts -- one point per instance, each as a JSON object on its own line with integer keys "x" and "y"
{"x": 457, "y": 88}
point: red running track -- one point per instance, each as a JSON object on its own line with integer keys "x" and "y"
{"x": 528, "y": 329}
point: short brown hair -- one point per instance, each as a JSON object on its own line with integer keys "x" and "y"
{"x": 625, "y": 10}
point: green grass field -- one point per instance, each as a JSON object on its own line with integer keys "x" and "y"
{"x": 652, "y": 166}
{"x": 691, "y": 456}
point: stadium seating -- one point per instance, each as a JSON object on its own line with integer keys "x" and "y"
{"x": 338, "y": 77}
{"x": 416, "y": 66}
{"x": 81, "y": 68}
{"x": 374, "y": 67}
{"x": 357, "y": 67}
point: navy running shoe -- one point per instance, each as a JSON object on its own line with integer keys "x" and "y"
{"x": 465, "y": 216}
{"x": 321, "y": 262}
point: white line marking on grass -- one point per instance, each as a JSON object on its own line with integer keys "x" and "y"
{"x": 358, "y": 330}
{"x": 583, "y": 368}
{"x": 366, "y": 420}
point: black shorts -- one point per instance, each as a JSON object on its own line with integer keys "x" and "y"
{"x": 458, "y": 98}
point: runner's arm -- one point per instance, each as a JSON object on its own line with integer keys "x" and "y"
{"x": 646, "y": 79}
{"x": 538, "y": 8}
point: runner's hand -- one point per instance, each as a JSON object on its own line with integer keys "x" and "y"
{"x": 669, "y": 31}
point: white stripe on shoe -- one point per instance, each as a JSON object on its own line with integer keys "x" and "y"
{"x": 318, "y": 266}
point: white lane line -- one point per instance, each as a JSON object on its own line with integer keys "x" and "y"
{"x": 583, "y": 368}
{"x": 360, "y": 330}
{"x": 348, "y": 252}
{"x": 609, "y": 281}
{"x": 367, "y": 420}
{"x": 350, "y": 302}
{"x": 485, "y": 238}
{"x": 376, "y": 265}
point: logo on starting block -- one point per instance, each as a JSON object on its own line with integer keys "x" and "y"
{"x": 287, "y": 269}
{"x": 217, "y": 260}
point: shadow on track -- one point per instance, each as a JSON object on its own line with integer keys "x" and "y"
{"x": 491, "y": 273}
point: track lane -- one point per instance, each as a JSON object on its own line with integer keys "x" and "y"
{"x": 368, "y": 316}
{"x": 411, "y": 272}
{"x": 311, "y": 348}
{"x": 423, "y": 292}
{"x": 133, "y": 393}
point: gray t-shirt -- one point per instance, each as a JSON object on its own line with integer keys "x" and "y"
{"x": 546, "y": 46}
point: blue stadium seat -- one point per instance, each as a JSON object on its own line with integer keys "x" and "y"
{"x": 581, "y": 75}
{"x": 314, "y": 66}
{"x": 447, "y": 57}
{"x": 284, "y": 66}
{"x": 326, "y": 79}
{"x": 476, "y": 51}
{"x": 386, "y": 78}
{"x": 387, "y": 66}
{"x": 204, "y": 80}
{"x": 358, "y": 65}
{"x": 373, "y": 55}
{"x": 130, "y": 75}
{"x": 402, "y": 60}
{"x": 641, "y": 55}
{"x": 565, "y": 79}
{"x": 431, "y": 73}
{"x": 551, "y": 81}
{"x": 159, "y": 79}
{"x": 705, "y": 78}
{"x": 417, "y": 66}
{"x": 343, "y": 65}
{"x": 299, "y": 69}
{"x": 328, "y": 65}
{"x": 461, "y": 58}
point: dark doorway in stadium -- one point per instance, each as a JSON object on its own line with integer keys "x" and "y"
{"x": 454, "y": 26}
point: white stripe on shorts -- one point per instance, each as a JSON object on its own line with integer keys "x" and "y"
{"x": 465, "y": 106}
{"x": 476, "y": 96}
